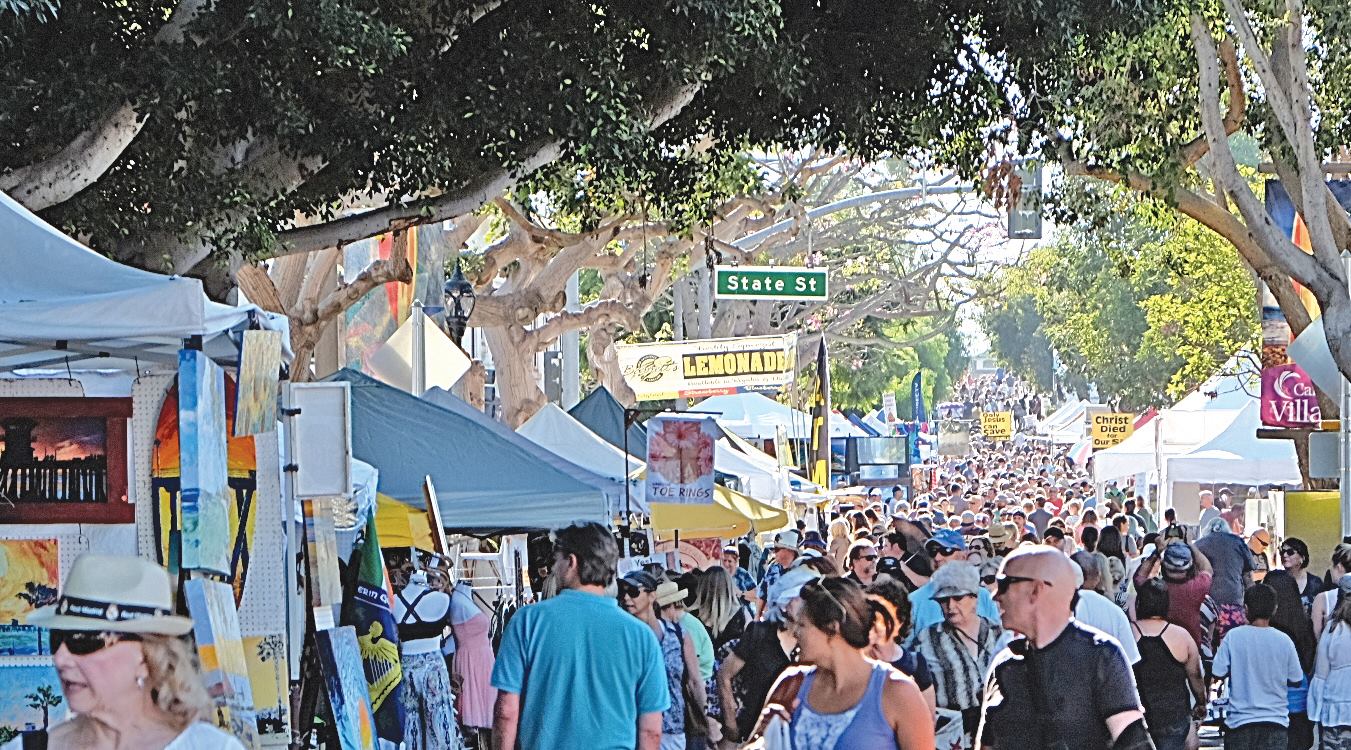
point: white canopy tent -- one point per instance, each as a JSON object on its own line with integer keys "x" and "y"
{"x": 1057, "y": 418}
{"x": 1147, "y": 448}
{"x": 755, "y": 416}
{"x": 62, "y": 304}
{"x": 557, "y": 432}
{"x": 1237, "y": 456}
{"x": 760, "y": 481}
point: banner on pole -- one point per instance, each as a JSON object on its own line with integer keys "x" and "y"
{"x": 1110, "y": 428}
{"x": 680, "y": 459}
{"x": 708, "y": 367}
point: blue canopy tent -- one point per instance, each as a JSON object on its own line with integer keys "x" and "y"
{"x": 488, "y": 479}
{"x": 605, "y": 416}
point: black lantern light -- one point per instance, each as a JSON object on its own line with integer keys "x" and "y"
{"x": 459, "y": 304}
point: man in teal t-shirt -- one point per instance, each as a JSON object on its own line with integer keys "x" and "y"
{"x": 576, "y": 671}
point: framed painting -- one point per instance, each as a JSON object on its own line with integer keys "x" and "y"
{"x": 64, "y": 460}
{"x": 29, "y": 579}
{"x": 30, "y": 697}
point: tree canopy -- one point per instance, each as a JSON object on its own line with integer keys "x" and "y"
{"x": 1132, "y": 297}
{"x": 171, "y": 133}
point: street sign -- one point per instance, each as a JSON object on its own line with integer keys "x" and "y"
{"x": 1110, "y": 428}
{"x": 770, "y": 282}
{"x": 997, "y": 425}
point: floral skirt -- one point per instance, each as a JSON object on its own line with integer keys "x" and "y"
{"x": 428, "y": 704}
{"x": 1334, "y": 738}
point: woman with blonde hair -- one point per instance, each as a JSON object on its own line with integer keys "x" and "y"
{"x": 718, "y": 607}
{"x": 128, "y": 677}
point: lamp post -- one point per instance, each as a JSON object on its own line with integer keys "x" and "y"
{"x": 459, "y": 304}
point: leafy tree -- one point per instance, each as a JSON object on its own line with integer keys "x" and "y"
{"x": 1135, "y": 299}
{"x": 859, "y": 377}
{"x": 8, "y": 733}
{"x": 37, "y": 594}
{"x": 170, "y": 132}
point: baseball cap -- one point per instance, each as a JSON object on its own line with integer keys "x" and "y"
{"x": 949, "y": 538}
{"x": 1177, "y": 557}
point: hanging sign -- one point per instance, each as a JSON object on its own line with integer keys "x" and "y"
{"x": 889, "y": 407}
{"x": 770, "y": 282}
{"x": 997, "y": 425}
{"x": 708, "y": 367}
{"x": 1110, "y": 428}
{"x": 680, "y": 460}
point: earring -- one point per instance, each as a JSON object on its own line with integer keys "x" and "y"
{"x": 140, "y": 682}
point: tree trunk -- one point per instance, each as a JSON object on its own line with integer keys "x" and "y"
{"x": 600, "y": 353}
{"x": 518, "y": 385}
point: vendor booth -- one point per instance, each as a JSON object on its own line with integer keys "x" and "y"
{"x": 487, "y": 478}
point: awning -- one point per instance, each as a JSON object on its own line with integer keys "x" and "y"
{"x": 731, "y": 515}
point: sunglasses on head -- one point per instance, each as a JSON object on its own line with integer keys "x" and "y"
{"x": 85, "y": 642}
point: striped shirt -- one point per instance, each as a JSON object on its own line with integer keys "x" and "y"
{"x": 959, "y": 676}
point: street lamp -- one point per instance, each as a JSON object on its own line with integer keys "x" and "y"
{"x": 459, "y": 304}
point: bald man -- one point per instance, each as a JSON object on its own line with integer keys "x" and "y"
{"x": 1031, "y": 699}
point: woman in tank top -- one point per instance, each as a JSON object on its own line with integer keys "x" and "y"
{"x": 845, "y": 700}
{"x": 1169, "y": 666}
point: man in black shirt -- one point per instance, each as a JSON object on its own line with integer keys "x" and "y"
{"x": 1032, "y": 701}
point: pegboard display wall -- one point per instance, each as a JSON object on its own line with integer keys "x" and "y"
{"x": 264, "y": 587}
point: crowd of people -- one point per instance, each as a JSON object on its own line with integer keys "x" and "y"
{"x": 1009, "y": 605}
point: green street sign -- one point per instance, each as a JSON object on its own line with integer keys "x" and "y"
{"x": 770, "y": 282}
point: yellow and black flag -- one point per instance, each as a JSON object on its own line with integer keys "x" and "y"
{"x": 819, "y": 460}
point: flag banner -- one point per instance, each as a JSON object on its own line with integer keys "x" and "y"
{"x": 820, "y": 443}
{"x": 369, "y": 609}
{"x": 917, "y": 411}
{"x": 680, "y": 459}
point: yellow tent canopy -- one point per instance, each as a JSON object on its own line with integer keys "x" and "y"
{"x": 400, "y": 525}
{"x": 731, "y": 515}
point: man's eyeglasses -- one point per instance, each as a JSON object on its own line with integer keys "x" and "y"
{"x": 867, "y": 557}
{"x": 936, "y": 550}
{"x": 86, "y": 642}
{"x": 1004, "y": 582}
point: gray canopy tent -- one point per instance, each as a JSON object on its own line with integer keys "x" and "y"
{"x": 488, "y": 479}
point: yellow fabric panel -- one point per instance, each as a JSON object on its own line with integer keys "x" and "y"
{"x": 400, "y": 525}
{"x": 731, "y": 515}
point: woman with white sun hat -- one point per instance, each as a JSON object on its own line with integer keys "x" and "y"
{"x": 129, "y": 677}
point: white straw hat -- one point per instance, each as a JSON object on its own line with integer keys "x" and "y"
{"x": 116, "y": 594}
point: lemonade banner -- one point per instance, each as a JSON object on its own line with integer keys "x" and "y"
{"x": 680, "y": 459}
{"x": 1110, "y": 428}
{"x": 997, "y": 425}
{"x": 708, "y": 367}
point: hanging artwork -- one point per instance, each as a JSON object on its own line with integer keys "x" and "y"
{"x": 204, "y": 502}
{"x": 348, "y": 695}
{"x": 166, "y": 480}
{"x": 29, "y": 578}
{"x": 321, "y": 539}
{"x": 30, "y": 698}
{"x": 259, "y": 372}
{"x": 64, "y": 460}
{"x": 215, "y": 624}
{"x": 266, "y": 657}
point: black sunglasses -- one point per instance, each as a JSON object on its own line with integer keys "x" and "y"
{"x": 987, "y": 580}
{"x": 937, "y": 549}
{"x": 86, "y": 642}
{"x": 1288, "y": 551}
{"x": 867, "y": 557}
{"x": 1003, "y": 582}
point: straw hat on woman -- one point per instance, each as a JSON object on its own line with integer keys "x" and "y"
{"x": 129, "y": 678}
